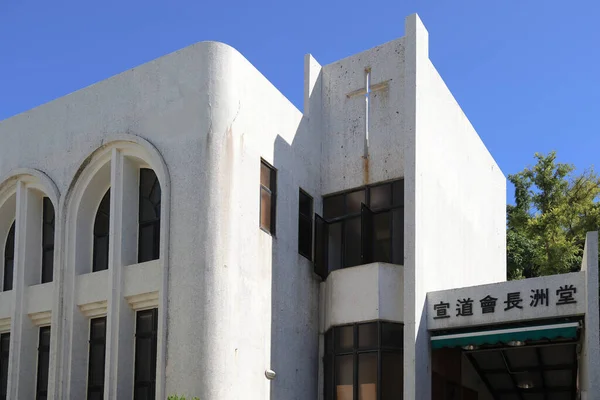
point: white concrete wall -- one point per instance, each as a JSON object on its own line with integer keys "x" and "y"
{"x": 363, "y": 293}
{"x": 454, "y": 203}
{"x": 343, "y": 119}
{"x": 212, "y": 116}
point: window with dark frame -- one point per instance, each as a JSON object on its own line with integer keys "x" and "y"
{"x": 145, "y": 354}
{"x": 96, "y": 359}
{"x": 43, "y": 364}
{"x": 360, "y": 226}
{"x": 305, "y": 224}
{"x": 101, "y": 234}
{"x": 4, "y": 346}
{"x": 149, "y": 216}
{"x": 268, "y": 197}
{"x": 364, "y": 361}
{"x": 9, "y": 259}
{"x": 47, "y": 241}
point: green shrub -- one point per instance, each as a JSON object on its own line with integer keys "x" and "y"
{"x": 176, "y": 397}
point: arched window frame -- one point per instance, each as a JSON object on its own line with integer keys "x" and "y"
{"x": 9, "y": 259}
{"x": 150, "y": 192}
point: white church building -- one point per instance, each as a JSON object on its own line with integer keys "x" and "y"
{"x": 181, "y": 228}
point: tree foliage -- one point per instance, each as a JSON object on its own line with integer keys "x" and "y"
{"x": 546, "y": 227}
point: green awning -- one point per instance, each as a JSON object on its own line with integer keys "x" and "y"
{"x": 498, "y": 336}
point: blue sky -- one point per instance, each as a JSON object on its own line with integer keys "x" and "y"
{"x": 525, "y": 72}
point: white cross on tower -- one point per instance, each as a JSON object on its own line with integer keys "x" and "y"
{"x": 366, "y": 91}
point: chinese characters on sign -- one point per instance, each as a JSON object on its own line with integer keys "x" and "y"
{"x": 538, "y": 298}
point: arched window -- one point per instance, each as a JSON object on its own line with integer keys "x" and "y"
{"x": 9, "y": 259}
{"x": 149, "y": 216}
{"x": 101, "y": 234}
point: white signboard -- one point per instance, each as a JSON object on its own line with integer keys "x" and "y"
{"x": 527, "y": 299}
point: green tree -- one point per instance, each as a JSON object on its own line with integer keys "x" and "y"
{"x": 553, "y": 210}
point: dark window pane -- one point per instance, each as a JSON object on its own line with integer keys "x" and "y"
{"x": 344, "y": 373}
{"x": 148, "y": 242}
{"x": 149, "y": 216}
{"x": 380, "y": 196}
{"x": 354, "y": 200}
{"x": 43, "y": 363}
{"x": 398, "y": 236}
{"x": 8, "y": 274}
{"x": 398, "y": 193}
{"x": 367, "y": 336}
{"x": 382, "y": 237}
{"x": 100, "y": 253}
{"x": 47, "y": 265}
{"x": 265, "y": 175}
{"x": 4, "y": 357}
{"x": 392, "y": 376}
{"x": 344, "y": 338}
{"x": 145, "y": 354}
{"x": 352, "y": 236}
{"x": 305, "y": 204}
{"x": 367, "y": 376}
{"x": 265, "y": 210}
{"x": 334, "y": 250}
{"x": 366, "y": 234}
{"x": 333, "y": 206}
{"x": 9, "y": 254}
{"x": 101, "y": 234}
{"x": 392, "y": 335}
{"x": 305, "y": 237}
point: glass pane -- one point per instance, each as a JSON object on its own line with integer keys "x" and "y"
{"x": 392, "y": 335}
{"x": 98, "y": 328}
{"x": 141, "y": 393}
{"x": 398, "y": 192}
{"x": 48, "y": 265}
{"x": 367, "y": 335}
{"x": 391, "y": 376}
{"x": 354, "y": 200}
{"x": 100, "y": 253}
{"x": 265, "y": 210}
{"x": 142, "y": 359}
{"x": 335, "y": 246}
{"x": 8, "y": 275}
{"x": 144, "y": 322}
{"x": 147, "y": 179}
{"x": 333, "y": 206}
{"x": 148, "y": 243}
{"x": 398, "y": 236}
{"x": 265, "y": 175}
{"x": 305, "y": 204}
{"x": 367, "y": 376}
{"x": 328, "y": 364}
{"x": 95, "y": 396}
{"x": 344, "y": 374}
{"x": 352, "y": 245}
{"x": 380, "y": 196}
{"x": 97, "y": 355}
{"x": 45, "y": 337}
{"x": 344, "y": 338}
{"x": 9, "y": 246}
{"x": 305, "y": 236}
{"x": 102, "y": 221}
{"x": 48, "y": 235}
{"x": 382, "y": 237}
{"x": 147, "y": 210}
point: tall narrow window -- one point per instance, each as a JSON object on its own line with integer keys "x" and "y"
{"x": 149, "y": 215}
{"x": 145, "y": 354}
{"x": 97, "y": 351}
{"x": 43, "y": 364}
{"x": 101, "y": 234}
{"x": 305, "y": 224}
{"x": 9, "y": 259}
{"x": 4, "y": 345}
{"x": 47, "y": 241}
{"x": 268, "y": 192}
